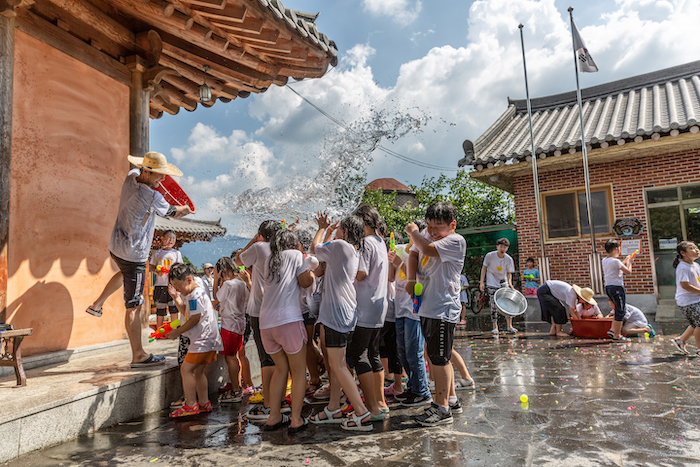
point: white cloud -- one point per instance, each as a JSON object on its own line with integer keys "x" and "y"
{"x": 401, "y": 11}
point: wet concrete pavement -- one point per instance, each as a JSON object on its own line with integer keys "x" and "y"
{"x": 590, "y": 402}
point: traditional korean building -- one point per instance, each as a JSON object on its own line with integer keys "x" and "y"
{"x": 643, "y": 152}
{"x": 79, "y": 80}
{"x": 404, "y": 195}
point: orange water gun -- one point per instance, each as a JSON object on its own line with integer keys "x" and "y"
{"x": 163, "y": 330}
{"x": 392, "y": 242}
{"x": 634, "y": 254}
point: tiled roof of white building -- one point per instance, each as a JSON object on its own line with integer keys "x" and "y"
{"x": 645, "y": 106}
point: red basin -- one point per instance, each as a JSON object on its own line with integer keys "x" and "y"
{"x": 591, "y": 327}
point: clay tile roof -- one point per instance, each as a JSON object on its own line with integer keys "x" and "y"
{"x": 191, "y": 228}
{"x": 649, "y": 105}
{"x": 387, "y": 184}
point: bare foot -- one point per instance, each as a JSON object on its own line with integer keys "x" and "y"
{"x": 552, "y": 333}
{"x": 562, "y": 334}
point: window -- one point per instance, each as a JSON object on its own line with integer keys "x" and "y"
{"x": 566, "y": 215}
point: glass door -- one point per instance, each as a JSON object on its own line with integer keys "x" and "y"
{"x": 666, "y": 233}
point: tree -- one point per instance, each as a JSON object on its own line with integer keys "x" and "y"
{"x": 477, "y": 203}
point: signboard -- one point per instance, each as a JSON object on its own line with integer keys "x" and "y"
{"x": 668, "y": 243}
{"x": 627, "y": 226}
{"x": 627, "y": 247}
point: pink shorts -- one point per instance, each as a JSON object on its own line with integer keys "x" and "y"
{"x": 529, "y": 291}
{"x": 289, "y": 337}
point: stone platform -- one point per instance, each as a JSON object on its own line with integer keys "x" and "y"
{"x": 73, "y": 393}
{"x": 591, "y": 403}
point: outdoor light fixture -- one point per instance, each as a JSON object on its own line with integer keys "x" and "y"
{"x": 204, "y": 90}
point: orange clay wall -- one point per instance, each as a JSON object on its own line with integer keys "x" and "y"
{"x": 69, "y": 145}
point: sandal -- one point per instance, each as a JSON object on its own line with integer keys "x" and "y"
{"x": 296, "y": 429}
{"x": 286, "y": 420}
{"x": 91, "y": 311}
{"x": 359, "y": 424}
{"x": 330, "y": 417}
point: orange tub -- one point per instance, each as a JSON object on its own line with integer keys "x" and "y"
{"x": 591, "y": 327}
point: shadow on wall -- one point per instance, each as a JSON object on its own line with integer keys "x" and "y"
{"x": 52, "y": 322}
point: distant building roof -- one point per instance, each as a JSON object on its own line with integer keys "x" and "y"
{"x": 633, "y": 109}
{"x": 388, "y": 184}
{"x": 191, "y": 230}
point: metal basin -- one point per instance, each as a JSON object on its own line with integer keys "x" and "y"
{"x": 510, "y": 302}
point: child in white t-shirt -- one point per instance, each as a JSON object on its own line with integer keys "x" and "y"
{"x": 282, "y": 327}
{"x": 232, "y": 296}
{"x": 613, "y": 270}
{"x": 161, "y": 262}
{"x": 202, "y": 330}
{"x": 442, "y": 260}
{"x": 497, "y": 272}
{"x": 338, "y": 315}
{"x": 635, "y": 322}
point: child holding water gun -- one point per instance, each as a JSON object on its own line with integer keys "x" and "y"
{"x": 442, "y": 260}
{"x": 232, "y": 295}
{"x": 613, "y": 270}
{"x": 532, "y": 277}
{"x": 161, "y": 262}
{"x": 202, "y": 330}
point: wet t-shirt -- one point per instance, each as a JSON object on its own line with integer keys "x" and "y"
{"x": 233, "y": 297}
{"x": 256, "y": 256}
{"x": 339, "y": 299}
{"x": 132, "y": 235}
{"x": 371, "y": 292}
{"x": 441, "y": 288}
{"x": 166, "y": 259}
{"x": 204, "y": 336}
{"x": 280, "y": 304}
{"x": 497, "y": 269}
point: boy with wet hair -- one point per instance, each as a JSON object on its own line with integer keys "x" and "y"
{"x": 441, "y": 258}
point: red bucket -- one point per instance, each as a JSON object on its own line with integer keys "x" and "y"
{"x": 591, "y": 327}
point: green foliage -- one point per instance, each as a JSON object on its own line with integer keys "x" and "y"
{"x": 477, "y": 203}
{"x": 186, "y": 260}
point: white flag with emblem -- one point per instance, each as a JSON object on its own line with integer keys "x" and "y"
{"x": 585, "y": 61}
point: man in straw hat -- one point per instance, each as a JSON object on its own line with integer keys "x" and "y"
{"x": 551, "y": 296}
{"x": 131, "y": 243}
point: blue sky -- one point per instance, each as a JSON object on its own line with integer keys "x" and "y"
{"x": 451, "y": 64}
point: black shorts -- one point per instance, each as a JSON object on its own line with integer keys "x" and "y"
{"x": 247, "y": 331}
{"x": 551, "y": 308}
{"x": 363, "y": 350}
{"x": 439, "y": 336}
{"x": 134, "y": 275}
{"x": 163, "y": 300}
{"x": 387, "y": 347}
{"x": 309, "y": 320}
{"x": 265, "y": 359}
{"x": 335, "y": 339}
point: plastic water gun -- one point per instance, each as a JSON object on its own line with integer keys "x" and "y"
{"x": 165, "y": 267}
{"x": 392, "y": 242}
{"x": 634, "y": 254}
{"x": 417, "y": 296}
{"x": 530, "y": 278}
{"x": 284, "y": 224}
{"x": 241, "y": 268}
{"x": 163, "y": 330}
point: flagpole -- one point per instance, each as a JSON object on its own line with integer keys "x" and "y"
{"x": 584, "y": 150}
{"x": 544, "y": 270}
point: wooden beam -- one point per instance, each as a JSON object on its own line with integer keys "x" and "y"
{"x": 197, "y": 76}
{"x": 231, "y": 12}
{"x": 52, "y": 35}
{"x": 152, "y": 13}
{"x": 265, "y": 36}
{"x": 7, "y": 67}
{"x": 150, "y": 46}
{"x": 172, "y": 109}
{"x": 250, "y": 24}
{"x": 178, "y": 97}
{"x": 155, "y": 113}
{"x": 138, "y": 107}
{"x": 97, "y": 19}
{"x": 218, "y": 4}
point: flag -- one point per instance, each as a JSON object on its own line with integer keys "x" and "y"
{"x": 585, "y": 61}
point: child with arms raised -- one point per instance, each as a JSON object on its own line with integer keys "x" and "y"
{"x": 442, "y": 260}
{"x": 232, "y": 295}
{"x": 338, "y": 315}
{"x": 202, "y": 330}
{"x": 282, "y": 327}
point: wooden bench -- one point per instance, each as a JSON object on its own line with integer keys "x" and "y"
{"x": 10, "y": 354}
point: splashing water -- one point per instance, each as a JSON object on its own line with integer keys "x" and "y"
{"x": 338, "y": 185}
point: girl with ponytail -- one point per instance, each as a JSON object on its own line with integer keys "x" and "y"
{"x": 688, "y": 291}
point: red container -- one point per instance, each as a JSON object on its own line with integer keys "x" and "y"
{"x": 591, "y": 327}
{"x": 174, "y": 194}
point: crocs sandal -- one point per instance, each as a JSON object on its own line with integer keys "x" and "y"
{"x": 359, "y": 424}
{"x": 330, "y": 417}
{"x": 152, "y": 360}
{"x": 185, "y": 411}
{"x": 91, "y": 311}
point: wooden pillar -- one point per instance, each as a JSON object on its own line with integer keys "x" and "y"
{"x": 7, "y": 60}
{"x": 139, "y": 111}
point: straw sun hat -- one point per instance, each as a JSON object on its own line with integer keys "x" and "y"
{"x": 585, "y": 293}
{"x": 155, "y": 162}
